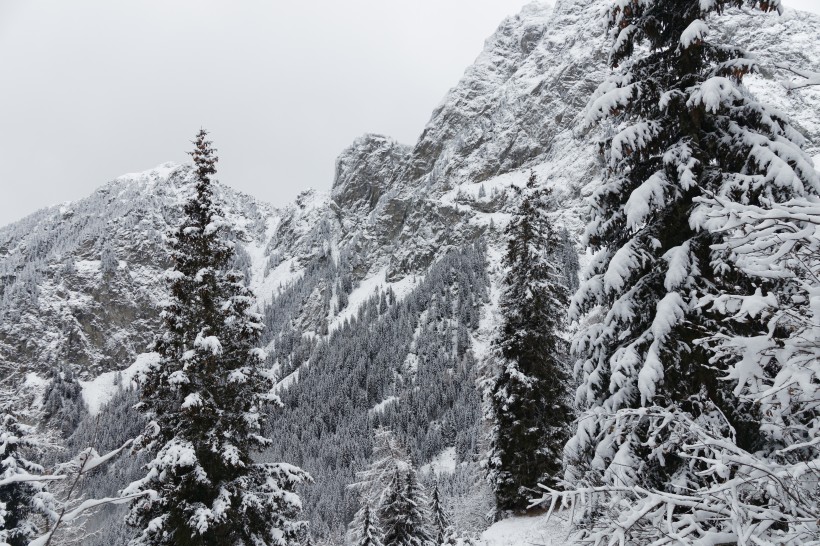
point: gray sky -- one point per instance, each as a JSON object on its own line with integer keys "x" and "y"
{"x": 93, "y": 89}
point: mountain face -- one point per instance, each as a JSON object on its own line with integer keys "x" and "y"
{"x": 379, "y": 296}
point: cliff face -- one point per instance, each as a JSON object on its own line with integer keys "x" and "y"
{"x": 393, "y": 214}
{"x": 518, "y": 107}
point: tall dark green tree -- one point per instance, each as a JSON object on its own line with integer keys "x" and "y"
{"x": 529, "y": 398}
{"x": 664, "y": 427}
{"x": 205, "y": 395}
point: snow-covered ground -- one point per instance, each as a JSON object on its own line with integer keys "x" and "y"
{"x": 531, "y": 530}
{"x": 100, "y": 390}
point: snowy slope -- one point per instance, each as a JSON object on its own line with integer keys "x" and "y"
{"x": 530, "y": 530}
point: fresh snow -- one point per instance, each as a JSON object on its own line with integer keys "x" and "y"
{"x": 368, "y": 287}
{"x": 100, "y": 390}
{"x": 378, "y": 408}
{"x": 538, "y": 530}
{"x": 443, "y": 463}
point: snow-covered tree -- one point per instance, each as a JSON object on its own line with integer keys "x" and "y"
{"x": 367, "y": 532}
{"x": 442, "y": 524}
{"x": 108, "y": 260}
{"x": 530, "y": 406}
{"x": 23, "y": 493}
{"x": 63, "y": 403}
{"x": 205, "y": 396}
{"x": 403, "y": 513}
{"x": 671, "y": 446}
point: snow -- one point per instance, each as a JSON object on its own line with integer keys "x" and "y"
{"x": 694, "y": 33}
{"x": 208, "y": 343}
{"x": 368, "y": 287}
{"x": 534, "y": 529}
{"x": 383, "y": 404}
{"x": 443, "y": 463}
{"x": 160, "y": 172}
{"x": 100, "y": 390}
{"x": 87, "y": 267}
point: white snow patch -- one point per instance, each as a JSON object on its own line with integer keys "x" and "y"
{"x": 287, "y": 381}
{"x": 378, "y": 408}
{"x": 100, "y": 390}
{"x": 85, "y": 267}
{"x": 530, "y": 529}
{"x": 367, "y": 288}
{"x": 443, "y": 463}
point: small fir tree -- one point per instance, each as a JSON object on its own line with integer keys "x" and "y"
{"x": 402, "y": 513}
{"x": 368, "y": 532}
{"x": 205, "y": 394}
{"x": 529, "y": 398}
{"x": 442, "y": 523}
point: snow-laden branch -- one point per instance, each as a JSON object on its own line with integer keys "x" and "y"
{"x": 748, "y": 498}
{"x": 85, "y": 462}
{"x": 809, "y": 78}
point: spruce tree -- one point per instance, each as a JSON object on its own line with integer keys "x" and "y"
{"x": 442, "y": 523}
{"x": 205, "y": 396}
{"x": 23, "y": 496}
{"x": 529, "y": 397}
{"x": 402, "y": 513}
{"x": 663, "y": 416}
{"x": 368, "y": 532}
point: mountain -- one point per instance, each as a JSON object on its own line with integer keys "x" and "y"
{"x": 379, "y": 297}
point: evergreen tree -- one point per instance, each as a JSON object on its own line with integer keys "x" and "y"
{"x": 529, "y": 401}
{"x": 570, "y": 261}
{"x": 368, "y": 531}
{"x": 204, "y": 395}
{"x": 442, "y": 524}
{"x": 22, "y": 495}
{"x": 63, "y": 403}
{"x": 402, "y": 513}
{"x": 663, "y": 415}
{"x": 108, "y": 260}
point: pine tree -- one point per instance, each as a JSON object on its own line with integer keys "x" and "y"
{"x": 205, "y": 395}
{"x": 23, "y": 496}
{"x": 665, "y": 429}
{"x": 529, "y": 400}
{"x": 442, "y": 524}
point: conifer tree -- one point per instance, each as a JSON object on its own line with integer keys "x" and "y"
{"x": 442, "y": 524}
{"x": 529, "y": 398}
{"x": 402, "y": 513}
{"x": 23, "y": 493}
{"x": 205, "y": 396}
{"x": 665, "y": 428}
{"x": 368, "y": 530}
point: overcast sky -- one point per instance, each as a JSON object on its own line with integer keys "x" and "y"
{"x": 93, "y": 88}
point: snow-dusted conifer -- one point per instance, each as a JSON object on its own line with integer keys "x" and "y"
{"x": 388, "y": 458}
{"x": 442, "y": 523}
{"x": 403, "y": 514}
{"x": 529, "y": 398}
{"x": 108, "y": 260}
{"x": 662, "y": 453}
{"x": 23, "y": 493}
{"x": 367, "y": 530}
{"x": 205, "y": 394}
